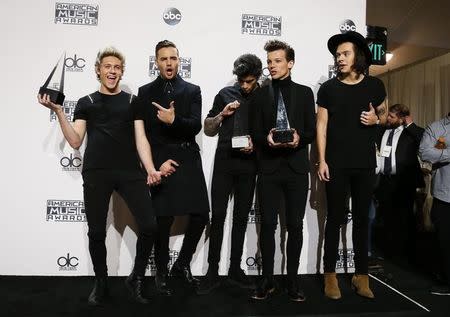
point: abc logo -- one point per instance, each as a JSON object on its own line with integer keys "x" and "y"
{"x": 347, "y": 25}
{"x": 75, "y": 62}
{"x": 172, "y": 16}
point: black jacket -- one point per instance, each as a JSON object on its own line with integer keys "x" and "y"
{"x": 301, "y": 114}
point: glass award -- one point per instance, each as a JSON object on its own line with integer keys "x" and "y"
{"x": 282, "y": 132}
{"x": 240, "y": 138}
{"x": 53, "y": 88}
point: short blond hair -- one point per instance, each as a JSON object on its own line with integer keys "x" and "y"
{"x": 109, "y": 51}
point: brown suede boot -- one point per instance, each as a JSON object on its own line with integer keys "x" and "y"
{"x": 360, "y": 282}
{"x": 331, "y": 286}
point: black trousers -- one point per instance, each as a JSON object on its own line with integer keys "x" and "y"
{"x": 242, "y": 185}
{"x": 440, "y": 215}
{"x": 271, "y": 188}
{"x": 359, "y": 183}
{"x": 98, "y": 186}
{"x": 396, "y": 207}
{"x": 197, "y": 223}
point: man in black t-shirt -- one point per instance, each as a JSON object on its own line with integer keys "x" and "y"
{"x": 111, "y": 163}
{"x": 349, "y": 108}
{"x": 234, "y": 170}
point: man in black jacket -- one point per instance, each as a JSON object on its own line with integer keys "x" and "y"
{"x": 234, "y": 169}
{"x": 170, "y": 110}
{"x": 283, "y": 167}
{"x": 400, "y": 175}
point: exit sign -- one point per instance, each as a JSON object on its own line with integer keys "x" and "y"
{"x": 377, "y": 41}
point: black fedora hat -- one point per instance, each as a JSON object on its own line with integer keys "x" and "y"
{"x": 353, "y": 37}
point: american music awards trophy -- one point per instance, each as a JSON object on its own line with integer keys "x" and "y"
{"x": 240, "y": 137}
{"x": 56, "y": 96}
{"x": 282, "y": 133}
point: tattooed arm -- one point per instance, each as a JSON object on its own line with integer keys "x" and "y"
{"x": 381, "y": 112}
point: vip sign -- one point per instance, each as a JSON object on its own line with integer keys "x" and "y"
{"x": 67, "y": 262}
{"x": 65, "y": 211}
{"x": 68, "y": 108}
{"x": 261, "y": 24}
{"x": 184, "y": 67}
{"x": 71, "y": 163}
{"x": 74, "y": 63}
{"x": 346, "y": 26}
{"x": 76, "y": 13}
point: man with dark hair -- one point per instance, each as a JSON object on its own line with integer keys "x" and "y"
{"x": 111, "y": 163}
{"x": 400, "y": 175}
{"x": 434, "y": 148}
{"x": 170, "y": 111}
{"x": 234, "y": 170}
{"x": 349, "y": 108}
{"x": 283, "y": 163}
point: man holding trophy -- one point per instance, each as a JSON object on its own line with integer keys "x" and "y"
{"x": 110, "y": 163}
{"x": 282, "y": 127}
{"x": 234, "y": 169}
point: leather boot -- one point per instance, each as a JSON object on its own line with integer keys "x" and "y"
{"x": 184, "y": 271}
{"x": 99, "y": 292}
{"x": 135, "y": 285}
{"x": 360, "y": 282}
{"x": 331, "y": 286}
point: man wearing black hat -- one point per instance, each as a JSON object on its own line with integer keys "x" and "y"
{"x": 234, "y": 169}
{"x": 349, "y": 108}
{"x": 168, "y": 111}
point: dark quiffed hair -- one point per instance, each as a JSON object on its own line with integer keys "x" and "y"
{"x": 360, "y": 65}
{"x": 247, "y": 65}
{"x": 400, "y": 109}
{"x": 164, "y": 43}
{"x": 275, "y": 45}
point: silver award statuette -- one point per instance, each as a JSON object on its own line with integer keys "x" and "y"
{"x": 56, "y": 92}
{"x": 240, "y": 139}
{"x": 282, "y": 132}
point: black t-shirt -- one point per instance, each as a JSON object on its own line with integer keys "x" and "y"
{"x": 110, "y": 131}
{"x": 350, "y": 144}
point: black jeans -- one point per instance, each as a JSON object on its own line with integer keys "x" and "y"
{"x": 440, "y": 215}
{"x": 197, "y": 223}
{"x": 359, "y": 183}
{"x": 271, "y": 187}
{"x": 223, "y": 184}
{"x": 98, "y": 186}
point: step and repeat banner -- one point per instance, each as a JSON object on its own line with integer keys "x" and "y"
{"x": 44, "y": 228}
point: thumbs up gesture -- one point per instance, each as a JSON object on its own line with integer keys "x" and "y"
{"x": 165, "y": 115}
{"x": 369, "y": 117}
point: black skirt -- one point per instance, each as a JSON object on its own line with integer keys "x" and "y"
{"x": 184, "y": 192}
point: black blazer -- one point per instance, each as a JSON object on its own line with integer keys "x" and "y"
{"x": 302, "y": 117}
{"x": 407, "y": 164}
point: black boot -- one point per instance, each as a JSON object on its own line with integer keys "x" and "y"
{"x": 239, "y": 278}
{"x": 135, "y": 285}
{"x": 184, "y": 271}
{"x": 99, "y": 292}
{"x": 264, "y": 289}
{"x": 294, "y": 290}
{"x": 209, "y": 283}
{"x": 161, "y": 284}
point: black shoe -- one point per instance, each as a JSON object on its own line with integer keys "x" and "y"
{"x": 239, "y": 278}
{"x": 99, "y": 293}
{"x": 264, "y": 289}
{"x": 294, "y": 290}
{"x": 135, "y": 285}
{"x": 161, "y": 284}
{"x": 440, "y": 290}
{"x": 184, "y": 271}
{"x": 209, "y": 283}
